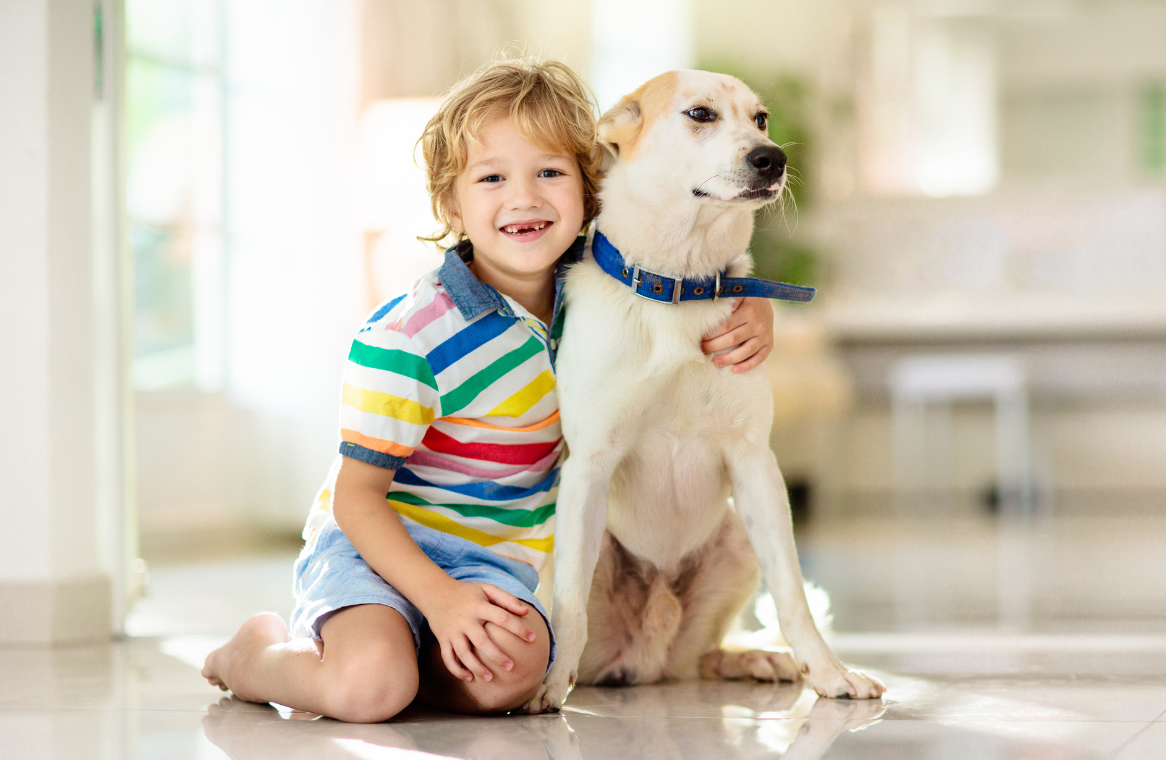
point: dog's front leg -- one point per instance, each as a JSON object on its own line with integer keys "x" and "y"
{"x": 763, "y": 505}
{"x": 580, "y": 519}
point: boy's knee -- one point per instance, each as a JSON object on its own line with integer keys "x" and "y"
{"x": 372, "y": 687}
{"x": 506, "y": 691}
{"x": 512, "y": 688}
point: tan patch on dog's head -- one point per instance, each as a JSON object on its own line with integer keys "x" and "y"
{"x": 622, "y": 127}
{"x": 699, "y": 133}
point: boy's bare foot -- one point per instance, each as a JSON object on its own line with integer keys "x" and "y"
{"x": 258, "y": 633}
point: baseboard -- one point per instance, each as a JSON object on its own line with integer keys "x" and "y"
{"x": 217, "y": 542}
{"x": 58, "y": 611}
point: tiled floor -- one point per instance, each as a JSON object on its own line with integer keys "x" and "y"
{"x": 1030, "y": 684}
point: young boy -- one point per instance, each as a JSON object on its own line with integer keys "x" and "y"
{"x": 422, "y": 551}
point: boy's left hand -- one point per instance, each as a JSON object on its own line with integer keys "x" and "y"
{"x": 749, "y": 328}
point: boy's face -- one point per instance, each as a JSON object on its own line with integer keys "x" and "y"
{"x": 520, "y": 206}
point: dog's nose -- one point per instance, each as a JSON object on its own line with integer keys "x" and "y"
{"x": 768, "y": 161}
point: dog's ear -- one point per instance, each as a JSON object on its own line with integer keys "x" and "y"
{"x": 619, "y": 129}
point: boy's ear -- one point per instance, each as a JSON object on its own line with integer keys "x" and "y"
{"x": 619, "y": 130}
{"x": 454, "y": 215}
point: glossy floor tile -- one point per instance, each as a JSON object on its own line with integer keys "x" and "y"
{"x": 143, "y": 699}
{"x": 1090, "y": 686}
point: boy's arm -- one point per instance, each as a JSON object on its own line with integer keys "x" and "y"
{"x": 749, "y": 328}
{"x": 457, "y": 612}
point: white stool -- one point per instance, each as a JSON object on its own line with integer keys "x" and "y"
{"x": 920, "y": 381}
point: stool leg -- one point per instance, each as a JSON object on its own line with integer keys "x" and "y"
{"x": 1012, "y": 469}
{"x": 909, "y": 419}
{"x": 939, "y": 459}
{"x": 1014, "y": 574}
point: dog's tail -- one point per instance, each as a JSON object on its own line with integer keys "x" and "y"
{"x": 769, "y": 635}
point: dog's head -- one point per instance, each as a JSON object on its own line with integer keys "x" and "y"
{"x": 694, "y": 134}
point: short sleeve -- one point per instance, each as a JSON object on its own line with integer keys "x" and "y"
{"x": 388, "y": 400}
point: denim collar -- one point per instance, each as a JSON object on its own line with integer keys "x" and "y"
{"x": 472, "y": 297}
{"x": 670, "y": 290}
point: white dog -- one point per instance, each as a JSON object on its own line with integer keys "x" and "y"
{"x": 658, "y": 436}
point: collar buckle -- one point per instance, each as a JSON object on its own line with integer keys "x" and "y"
{"x": 637, "y": 281}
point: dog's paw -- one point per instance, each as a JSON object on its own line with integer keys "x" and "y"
{"x": 835, "y": 681}
{"x": 548, "y": 699}
{"x": 851, "y": 714}
{"x": 755, "y": 663}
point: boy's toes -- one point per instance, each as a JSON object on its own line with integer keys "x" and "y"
{"x": 260, "y": 631}
{"x": 210, "y": 671}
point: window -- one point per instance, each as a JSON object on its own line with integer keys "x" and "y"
{"x": 174, "y": 134}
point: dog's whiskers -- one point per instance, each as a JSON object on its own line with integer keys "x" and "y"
{"x": 702, "y": 184}
{"x": 787, "y": 197}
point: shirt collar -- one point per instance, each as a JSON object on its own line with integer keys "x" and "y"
{"x": 472, "y": 297}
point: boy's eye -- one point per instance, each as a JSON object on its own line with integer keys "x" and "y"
{"x": 491, "y": 178}
{"x": 550, "y": 173}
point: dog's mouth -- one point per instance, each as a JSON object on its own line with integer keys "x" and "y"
{"x": 763, "y": 193}
{"x": 759, "y": 194}
{"x": 525, "y": 230}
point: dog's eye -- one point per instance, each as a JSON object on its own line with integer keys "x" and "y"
{"x": 761, "y": 120}
{"x": 700, "y": 114}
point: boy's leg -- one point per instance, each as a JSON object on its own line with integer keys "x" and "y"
{"x": 508, "y": 689}
{"x": 365, "y": 671}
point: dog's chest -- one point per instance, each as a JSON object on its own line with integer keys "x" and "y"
{"x": 635, "y": 368}
{"x": 696, "y": 401}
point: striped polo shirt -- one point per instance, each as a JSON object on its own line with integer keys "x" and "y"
{"x": 453, "y": 386}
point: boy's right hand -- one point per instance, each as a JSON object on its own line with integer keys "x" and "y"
{"x": 458, "y": 614}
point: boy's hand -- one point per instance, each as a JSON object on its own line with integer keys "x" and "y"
{"x": 458, "y": 614}
{"x": 749, "y": 328}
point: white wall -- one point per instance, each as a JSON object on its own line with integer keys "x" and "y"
{"x": 52, "y": 584}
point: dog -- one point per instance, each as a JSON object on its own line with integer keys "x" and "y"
{"x": 652, "y": 563}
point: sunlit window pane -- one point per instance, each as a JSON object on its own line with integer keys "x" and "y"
{"x": 179, "y": 31}
{"x": 174, "y": 192}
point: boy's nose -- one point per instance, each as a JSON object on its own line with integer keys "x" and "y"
{"x": 523, "y": 194}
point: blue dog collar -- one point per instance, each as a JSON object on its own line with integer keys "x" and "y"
{"x": 657, "y": 287}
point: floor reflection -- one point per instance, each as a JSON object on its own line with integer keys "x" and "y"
{"x": 1085, "y": 681}
{"x": 655, "y": 722}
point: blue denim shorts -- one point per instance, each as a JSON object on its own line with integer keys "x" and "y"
{"x": 330, "y": 575}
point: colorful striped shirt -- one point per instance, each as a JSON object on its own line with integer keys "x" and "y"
{"x": 453, "y": 386}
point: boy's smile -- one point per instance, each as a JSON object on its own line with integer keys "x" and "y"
{"x": 520, "y": 205}
{"x": 526, "y": 231}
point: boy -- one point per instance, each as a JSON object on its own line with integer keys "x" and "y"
{"x": 422, "y": 552}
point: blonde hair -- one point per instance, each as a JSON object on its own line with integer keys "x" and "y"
{"x": 547, "y": 102}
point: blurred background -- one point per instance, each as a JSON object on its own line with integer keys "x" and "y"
{"x": 980, "y": 198}
{"x": 971, "y": 416}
